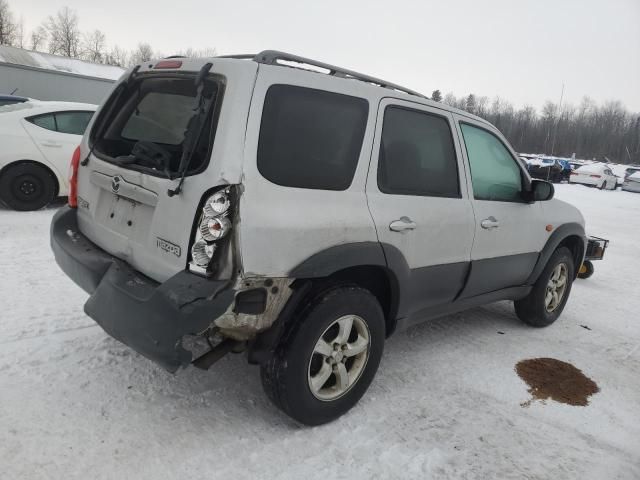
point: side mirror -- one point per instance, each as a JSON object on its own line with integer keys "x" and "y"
{"x": 541, "y": 190}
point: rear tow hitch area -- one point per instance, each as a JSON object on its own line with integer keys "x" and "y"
{"x": 257, "y": 304}
{"x": 217, "y": 351}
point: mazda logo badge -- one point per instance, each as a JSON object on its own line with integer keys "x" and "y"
{"x": 115, "y": 184}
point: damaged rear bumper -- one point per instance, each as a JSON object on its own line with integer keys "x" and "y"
{"x": 150, "y": 317}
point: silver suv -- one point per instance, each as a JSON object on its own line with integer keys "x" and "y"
{"x": 302, "y": 213}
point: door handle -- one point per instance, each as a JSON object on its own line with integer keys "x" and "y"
{"x": 402, "y": 225}
{"x": 51, "y": 144}
{"x": 489, "y": 223}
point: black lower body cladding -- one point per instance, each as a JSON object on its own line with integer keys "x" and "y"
{"x": 148, "y": 316}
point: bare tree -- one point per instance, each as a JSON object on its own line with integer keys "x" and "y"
{"x": 94, "y": 47}
{"x": 450, "y": 99}
{"x": 116, "y": 56}
{"x": 142, "y": 53}
{"x": 20, "y": 35}
{"x": 64, "y": 34}
{"x": 197, "y": 53}
{"x": 38, "y": 38}
{"x": 7, "y": 25}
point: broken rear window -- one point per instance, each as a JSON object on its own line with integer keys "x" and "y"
{"x": 144, "y": 125}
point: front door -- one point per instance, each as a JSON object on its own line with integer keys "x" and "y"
{"x": 418, "y": 198}
{"x": 509, "y": 232}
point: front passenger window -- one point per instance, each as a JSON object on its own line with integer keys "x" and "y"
{"x": 494, "y": 172}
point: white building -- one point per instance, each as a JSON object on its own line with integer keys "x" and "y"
{"x": 52, "y": 77}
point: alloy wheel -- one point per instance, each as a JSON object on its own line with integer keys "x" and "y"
{"x": 339, "y": 358}
{"x": 556, "y": 287}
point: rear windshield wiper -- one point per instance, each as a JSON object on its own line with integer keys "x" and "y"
{"x": 194, "y": 128}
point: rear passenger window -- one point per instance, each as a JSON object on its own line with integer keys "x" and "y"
{"x": 417, "y": 156}
{"x": 74, "y": 123}
{"x": 310, "y": 138}
{"x": 44, "y": 121}
{"x": 495, "y": 175}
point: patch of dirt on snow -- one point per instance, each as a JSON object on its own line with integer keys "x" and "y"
{"x": 560, "y": 381}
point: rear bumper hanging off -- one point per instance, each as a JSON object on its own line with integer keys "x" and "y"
{"x": 150, "y": 317}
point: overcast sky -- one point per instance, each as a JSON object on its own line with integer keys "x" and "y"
{"x": 522, "y": 51}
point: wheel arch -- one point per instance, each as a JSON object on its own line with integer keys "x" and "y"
{"x": 379, "y": 268}
{"x": 363, "y": 264}
{"x": 570, "y": 235}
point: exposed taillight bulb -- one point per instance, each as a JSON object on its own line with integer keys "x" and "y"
{"x": 73, "y": 178}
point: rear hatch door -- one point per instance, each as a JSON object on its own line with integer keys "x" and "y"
{"x": 137, "y": 156}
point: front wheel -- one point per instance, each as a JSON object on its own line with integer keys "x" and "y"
{"x": 550, "y": 293}
{"x": 324, "y": 366}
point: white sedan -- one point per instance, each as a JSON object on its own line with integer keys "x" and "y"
{"x": 37, "y": 140}
{"x": 595, "y": 175}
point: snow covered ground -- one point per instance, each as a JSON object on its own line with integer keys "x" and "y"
{"x": 446, "y": 402}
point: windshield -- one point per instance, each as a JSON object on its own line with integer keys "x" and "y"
{"x": 144, "y": 126}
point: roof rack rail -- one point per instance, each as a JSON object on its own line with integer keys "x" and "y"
{"x": 273, "y": 57}
{"x": 240, "y": 56}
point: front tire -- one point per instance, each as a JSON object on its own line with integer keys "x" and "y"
{"x": 327, "y": 361}
{"x": 27, "y": 186}
{"x": 550, "y": 293}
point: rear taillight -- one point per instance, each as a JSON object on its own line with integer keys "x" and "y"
{"x": 73, "y": 178}
{"x": 594, "y": 176}
{"x": 214, "y": 224}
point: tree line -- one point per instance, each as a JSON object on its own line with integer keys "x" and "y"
{"x": 60, "y": 34}
{"x": 607, "y": 132}
{"x": 604, "y": 132}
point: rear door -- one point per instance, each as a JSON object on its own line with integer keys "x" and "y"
{"x": 57, "y": 134}
{"x": 417, "y": 195}
{"x": 509, "y": 232}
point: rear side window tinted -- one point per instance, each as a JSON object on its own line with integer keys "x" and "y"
{"x": 310, "y": 138}
{"x": 74, "y": 123}
{"x": 495, "y": 175}
{"x": 417, "y": 156}
{"x": 44, "y": 121}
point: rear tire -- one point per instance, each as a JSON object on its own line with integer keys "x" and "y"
{"x": 541, "y": 308}
{"x": 303, "y": 378}
{"x": 27, "y": 186}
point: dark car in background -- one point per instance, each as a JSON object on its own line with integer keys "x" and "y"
{"x": 552, "y": 169}
{"x": 11, "y": 99}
